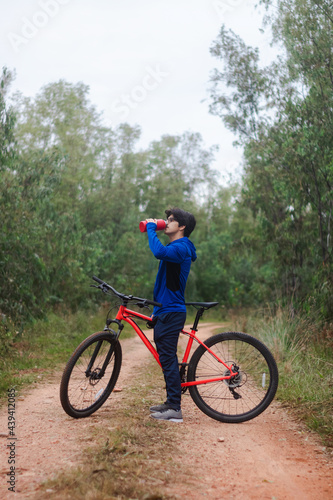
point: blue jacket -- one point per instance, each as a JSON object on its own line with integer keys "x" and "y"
{"x": 175, "y": 263}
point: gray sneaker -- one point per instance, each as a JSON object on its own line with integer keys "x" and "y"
{"x": 168, "y": 414}
{"x": 162, "y": 407}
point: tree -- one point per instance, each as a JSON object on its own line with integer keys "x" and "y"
{"x": 62, "y": 118}
{"x": 282, "y": 115}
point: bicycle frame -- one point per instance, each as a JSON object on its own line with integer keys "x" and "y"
{"x": 125, "y": 314}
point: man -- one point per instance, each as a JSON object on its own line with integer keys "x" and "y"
{"x": 175, "y": 263}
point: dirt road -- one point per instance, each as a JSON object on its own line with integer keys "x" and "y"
{"x": 270, "y": 457}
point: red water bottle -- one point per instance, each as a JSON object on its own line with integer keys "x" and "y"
{"x": 161, "y": 224}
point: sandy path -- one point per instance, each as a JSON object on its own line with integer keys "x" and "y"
{"x": 269, "y": 457}
{"x": 49, "y": 441}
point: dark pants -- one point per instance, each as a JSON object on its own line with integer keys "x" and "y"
{"x": 166, "y": 334}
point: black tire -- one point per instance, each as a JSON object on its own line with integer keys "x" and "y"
{"x": 82, "y": 394}
{"x": 241, "y": 398}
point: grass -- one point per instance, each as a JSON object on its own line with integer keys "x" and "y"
{"x": 44, "y": 345}
{"x": 133, "y": 460}
{"x": 302, "y": 349}
{"x": 304, "y": 354}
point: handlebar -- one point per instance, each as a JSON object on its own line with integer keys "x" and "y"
{"x": 106, "y": 287}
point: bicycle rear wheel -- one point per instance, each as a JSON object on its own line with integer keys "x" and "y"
{"x": 90, "y": 375}
{"x": 242, "y": 397}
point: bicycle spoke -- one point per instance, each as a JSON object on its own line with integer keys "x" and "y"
{"x": 84, "y": 387}
{"x": 243, "y": 396}
{"x": 82, "y": 391}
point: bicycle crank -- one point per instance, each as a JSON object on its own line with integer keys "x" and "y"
{"x": 183, "y": 375}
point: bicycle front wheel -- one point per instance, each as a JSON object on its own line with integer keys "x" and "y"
{"x": 243, "y": 396}
{"x": 90, "y": 375}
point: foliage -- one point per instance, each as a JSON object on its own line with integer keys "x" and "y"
{"x": 44, "y": 344}
{"x": 303, "y": 351}
{"x": 72, "y": 194}
{"x": 283, "y": 115}
{"x": 73, "y": 190}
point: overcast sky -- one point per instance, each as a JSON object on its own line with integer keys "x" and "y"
{"x": 147, "y": 62}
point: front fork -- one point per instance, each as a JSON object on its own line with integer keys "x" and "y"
{"x": 98, "y": 374}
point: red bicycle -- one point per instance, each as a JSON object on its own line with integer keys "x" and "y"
{"x": 232, "y": 377}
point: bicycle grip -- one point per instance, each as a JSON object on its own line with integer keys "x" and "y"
{"x": 152, "y": 303}
{"x": 98, "y": 280}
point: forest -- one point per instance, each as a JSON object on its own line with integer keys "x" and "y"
{"x": 72, "y": 190}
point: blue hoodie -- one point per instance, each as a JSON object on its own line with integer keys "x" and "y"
{"x": 175, "y": 263}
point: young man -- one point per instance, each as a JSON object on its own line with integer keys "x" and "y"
{"x": 175, "y": 263}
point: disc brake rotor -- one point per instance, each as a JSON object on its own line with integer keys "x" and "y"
{"x": 236, "y": 381}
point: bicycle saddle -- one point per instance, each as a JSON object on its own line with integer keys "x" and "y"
{"x": 205, "y": 305}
